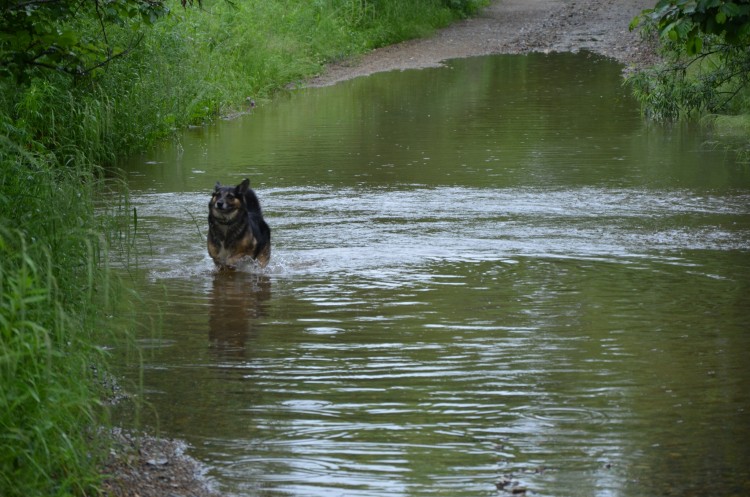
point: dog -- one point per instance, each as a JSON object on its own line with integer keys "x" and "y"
{"x": 236, "y": 228}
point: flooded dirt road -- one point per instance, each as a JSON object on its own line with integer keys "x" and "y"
{"x": 486, "y": 277}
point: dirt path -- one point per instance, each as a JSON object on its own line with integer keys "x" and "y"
{"x": 512, "y": 27}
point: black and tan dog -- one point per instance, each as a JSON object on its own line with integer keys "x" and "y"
{"x": 236, "y": 228}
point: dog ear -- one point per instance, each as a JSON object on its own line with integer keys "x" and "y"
{"x": 242, "y": 187}
{"x": 218, "y": 185}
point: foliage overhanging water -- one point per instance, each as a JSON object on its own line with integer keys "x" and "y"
{"x": 489, "y": 272}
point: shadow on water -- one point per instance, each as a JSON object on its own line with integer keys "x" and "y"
{"x": 237, "y": 302}
{"x": 494, "y": 274}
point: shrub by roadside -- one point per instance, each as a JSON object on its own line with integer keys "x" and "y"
{"x": 705, "y": 69}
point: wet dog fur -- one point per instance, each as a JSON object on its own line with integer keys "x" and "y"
{"x": 236, "y": 228}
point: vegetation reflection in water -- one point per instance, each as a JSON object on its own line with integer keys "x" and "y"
{"x": 489, "y": 272}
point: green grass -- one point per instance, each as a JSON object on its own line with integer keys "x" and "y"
{"x": 737, "y": 126}
{"x": 48, "y": 415}
{"x": 49, "y": 286}
{"x": 732, "y": 132}
{"x": 199, "y": 64}
{"x": 54, "y": 288}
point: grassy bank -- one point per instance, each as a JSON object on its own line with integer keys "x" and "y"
{"x": 50, "y": 285}
{"x": 198, "y": 63}
{"x": 60, "y": 127}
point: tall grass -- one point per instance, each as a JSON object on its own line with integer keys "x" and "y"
{"x": 48, "y": 409}
{"x": 49, "y": 286}
{"x": 199, "y": 64}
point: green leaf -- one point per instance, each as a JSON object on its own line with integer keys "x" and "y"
{"x": 669, "y": 31}
{"x": 731, "y": 9}
{"x": 68, "y": 38}
{"x": 694, "y": 45}
{"x": 634, "y": 23}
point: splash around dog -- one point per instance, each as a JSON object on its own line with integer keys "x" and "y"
{"x": 236, "y": 228}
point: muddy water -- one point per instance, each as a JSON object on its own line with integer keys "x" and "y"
{"x": 488, "y": 276}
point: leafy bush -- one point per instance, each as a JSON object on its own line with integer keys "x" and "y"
{"x": 706, "y": 50}
{"x": 47, "y": 34}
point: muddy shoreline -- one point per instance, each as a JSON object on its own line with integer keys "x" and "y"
{"x": 141, "y": 465}
{"x": 146, "y": 466}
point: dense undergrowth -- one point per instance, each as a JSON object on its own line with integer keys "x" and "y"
{"x": 49, "y": 285}
{"x": 60, "y": 130}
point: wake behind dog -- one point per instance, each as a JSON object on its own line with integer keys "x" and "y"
{"x": 236, "y": 228}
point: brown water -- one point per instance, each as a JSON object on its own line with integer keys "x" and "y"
{"x": 487, "y": 272}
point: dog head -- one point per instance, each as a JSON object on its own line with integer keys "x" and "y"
{"x": 227, "y": 201}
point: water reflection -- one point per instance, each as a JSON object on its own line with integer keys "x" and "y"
{"x": 237, "y": 301}
{"x": 490, "y": 122}
{"x": 486, "y": 273}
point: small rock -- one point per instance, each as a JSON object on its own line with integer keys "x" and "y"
{"x": 158, "y": 461}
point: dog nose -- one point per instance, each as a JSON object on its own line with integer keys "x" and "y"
{"x": 219, "y": 204}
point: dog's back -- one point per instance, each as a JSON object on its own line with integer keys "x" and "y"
{"x": 236, "y": 228}
{"x": 261, "y": 230}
